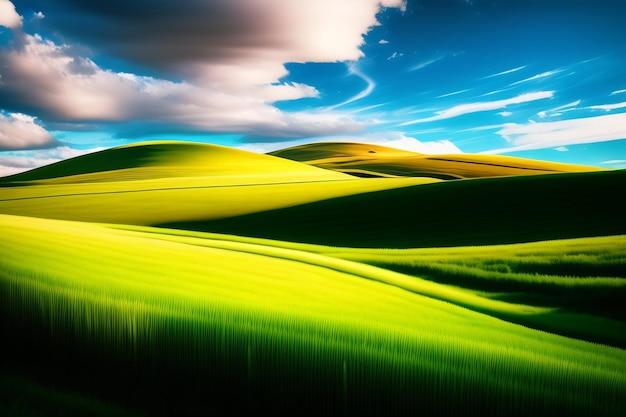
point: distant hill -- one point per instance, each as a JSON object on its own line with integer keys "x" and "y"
{"x": 163, "y": 159}
{"x": 371, "y": 161}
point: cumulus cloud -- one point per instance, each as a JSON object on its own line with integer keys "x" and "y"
{"x": 232, "y": 43}
{"x": 227, "y": 59}
{"x": 47, "y": 79}
{"x": 483, "y": 106}
{"x": 8, "y": 15}
{"x": 19, "y": 131}
{"x": 562, "y": 133}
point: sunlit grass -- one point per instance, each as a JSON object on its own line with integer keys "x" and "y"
{"x": 254, "y": 317}
{"x": 378, "y": 160}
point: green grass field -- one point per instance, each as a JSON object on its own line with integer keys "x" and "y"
{"x": 374, "y": 296}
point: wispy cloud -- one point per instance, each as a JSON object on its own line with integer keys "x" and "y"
{"x": 426, "y": 63}
{"x": 562, "y": 133}
{"x": 617, "y": 92}
{"x": 505, "y": 113}
{"x": 483, "y": 106}
{"x": 537, "y": 77}
{"x": 608, "y": 107}
{"x": 370, "y": 85}
{"x": 454, "y": 93}
{"x": 558, "y": 110}
{"x": 504, "y": 72}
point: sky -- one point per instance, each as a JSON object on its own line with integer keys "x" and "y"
{"x": 535, "y": 79}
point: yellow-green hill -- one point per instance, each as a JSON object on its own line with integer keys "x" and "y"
{"x": 163, "y": 159}
{"x": 159, "y": 182}
{"x": 372, "y": 160}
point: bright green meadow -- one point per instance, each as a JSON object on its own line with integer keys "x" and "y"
{"x": 273, "y": 286}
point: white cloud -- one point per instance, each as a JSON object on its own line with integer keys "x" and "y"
{"x": 230, "y": 77}
{"x": 561, "y": 149}
{"x": 453, "y": 93}
{"x": 68, "y": 88}
{"x": 608, "y": 107}
{"x": 39, "y": 15}
{"x": 557, "y": 111}
{"x": 383, "y": 41}
{"x": 562, "y": 133}
{"x": 370, "y": 85}
{"x": 395, "y": 55}
{"x": 20, "y": 161}
{"x": 396, "y": 140}
{"x": 426, "y": 63}
{"x": 617, "y": 92}
{"x": 614, "y": 162}
{"x": 9, "y": 17}
{"x": 538, "y": 77}
{"x": 505, "y": 72}
{"x": 483, "y": 106}
{"x": 505, "y": 113}
{"x": 19, "y": 131}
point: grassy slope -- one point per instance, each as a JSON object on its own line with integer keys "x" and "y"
{"x": 360, "y": 159}
{"x": 166, "y": 159}
{"x": 573, "y": 287}
{"x": 173, "y": 182}
{"x": 453, "y": 213}
{"x": 359, "y": 337}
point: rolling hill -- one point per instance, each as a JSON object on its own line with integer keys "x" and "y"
{"x": 159, "y": 182}
{"x": 283, "y": 287}
{"x": 472, "y": 212}
{"x": 373, "y": 161}
{"x": 166, "y": 159}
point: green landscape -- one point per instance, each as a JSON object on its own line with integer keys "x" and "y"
{"x": 175, "y": 278}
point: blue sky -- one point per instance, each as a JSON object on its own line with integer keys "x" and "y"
{"x": 536, "y": 79}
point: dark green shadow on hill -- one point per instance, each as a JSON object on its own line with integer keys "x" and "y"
{"x": 456, "y": 213}
{"x": 107, "y": 160}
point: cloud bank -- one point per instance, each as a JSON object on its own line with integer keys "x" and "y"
{"x": 215, "y": 66}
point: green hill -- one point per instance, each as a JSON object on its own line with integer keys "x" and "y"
{"x": 454, "y": 213}
{"x": 163, "y": 159}
{"x": 372, "y": 160}
{"x": 158, "y": 182}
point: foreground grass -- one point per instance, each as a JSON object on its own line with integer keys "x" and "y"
{"x": 572, "y": 287}
{"x": 196, "y": 318}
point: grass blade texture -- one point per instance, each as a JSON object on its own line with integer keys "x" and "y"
{"x": 164, "y": 321}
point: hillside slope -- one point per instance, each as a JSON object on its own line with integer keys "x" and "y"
{"x": 372, "y": 160}
{"x": 163, "y": 159}
{"x": 160, "y": 182}
{"x": 454, "y": 213}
